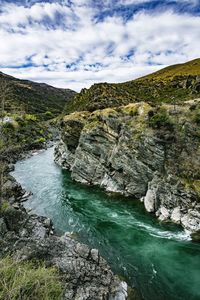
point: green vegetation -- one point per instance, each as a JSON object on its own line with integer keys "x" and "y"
{"x": 48, "y": 113}
{"x": 160, "y": 119}
{"x": 29, "y": 117}
{"x": 197, "y": 117}
{"x": 174, "y": 84}
{"x": 26, "y": 280}
{"x": 185, "y": 69}
{"x": 23, "y": 132}
{"x": 4, "y": 206}
{"x": 30, "y": 97}
{"x": 41, "y": 140}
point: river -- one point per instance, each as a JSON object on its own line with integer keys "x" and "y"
{"x": 159, "y": 259}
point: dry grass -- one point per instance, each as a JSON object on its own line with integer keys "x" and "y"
{"x": 25, "y": 281}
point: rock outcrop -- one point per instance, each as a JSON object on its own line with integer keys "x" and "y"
{"x": 149, "y": 153}
{"x": 85, "y": 274}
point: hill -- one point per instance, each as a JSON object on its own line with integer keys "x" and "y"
{"x": 31, "y": 97}
{"x": 173, "y": 84}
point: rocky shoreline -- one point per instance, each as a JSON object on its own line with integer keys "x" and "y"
{"x": 138, "y": 151}
{"x": 26, "y": 236}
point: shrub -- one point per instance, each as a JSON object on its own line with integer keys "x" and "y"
{"x": 4, "y": 206}
{"x": 29, "y": 117}
{"x": 48, "y": 113}
{"x": 19, "y": 119}
{"x": 160, "y": 119}
{"x": 41, "y": 140}
{"x": 25, "y": 280}
{"x": 197, "y": 117}
{"x": 10, "y": 125}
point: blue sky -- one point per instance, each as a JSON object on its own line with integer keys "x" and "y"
{"x": 75, "y": 43}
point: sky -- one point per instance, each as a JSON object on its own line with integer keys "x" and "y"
{"x": 75, "y": 43}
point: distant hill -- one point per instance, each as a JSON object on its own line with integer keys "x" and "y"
{"x": 32, "y": 97}
{"x": 172, "y": 84}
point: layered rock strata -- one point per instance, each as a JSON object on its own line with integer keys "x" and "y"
{"x": 145, "y": 152}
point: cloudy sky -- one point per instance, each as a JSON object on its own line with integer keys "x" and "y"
{"x": 74, "y": 43}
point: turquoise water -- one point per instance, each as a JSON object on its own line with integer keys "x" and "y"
{"x": 159, "y": 260}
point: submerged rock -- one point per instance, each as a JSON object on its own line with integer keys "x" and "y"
{"x": 138, "y": 151}
{"x": 196, "y": 236}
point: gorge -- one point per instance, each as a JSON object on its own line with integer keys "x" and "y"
{"x": 121, "y": 183}
{"x": 159, "y": 259}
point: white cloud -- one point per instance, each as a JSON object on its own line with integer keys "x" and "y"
{"x": 157, "y": 40}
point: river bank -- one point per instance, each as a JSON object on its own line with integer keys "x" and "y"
{"x": 152, "y": 256}
{"x": 26, "y": 236}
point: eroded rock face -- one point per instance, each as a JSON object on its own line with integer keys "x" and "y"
{"x": 118, "y": 150}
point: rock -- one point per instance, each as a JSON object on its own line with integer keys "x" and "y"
{"x": 11, "y": 167}
{"x": 95, "y": 255}
{"x": 25, "y": 196}
{"x": 176, "y": 215}
{"x": 13, "y": 218}
{"x": 16, "y": 205}
{"x": 196, "y": 236}
{"x": 11, "y": 200}
{"x": 11, "y": 188}
{"x": 122, "y": 293}
{"x": 150, "y": 200}
{"x": 191, "y": 220}
{"x": 48, "y": 223}
{"x": 3, "y": 227}
{"x": 164, "y": 213}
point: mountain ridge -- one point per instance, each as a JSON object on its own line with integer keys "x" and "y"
{"x": 33, "y": 97}
{"x": 175, "y": 83}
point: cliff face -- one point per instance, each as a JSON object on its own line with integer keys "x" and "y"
{"x": 148, "y": 153}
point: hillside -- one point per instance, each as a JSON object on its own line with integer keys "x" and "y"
{"x": 28, "y": 110}
{"x": 31, "y": 97}
{"x": 176, "y": 83}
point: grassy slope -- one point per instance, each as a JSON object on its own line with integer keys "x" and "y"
{"x": 189, "y": 68}
{"x": 174, "y": 83}
{"x": 32, "y": 97}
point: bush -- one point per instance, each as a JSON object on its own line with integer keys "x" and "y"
{"x": 19, "y": 119}
{"x": 4, "y": 206}
{"x": 48, "y": 113}
{"x": 197, "y": 117}
{"x": 41, "y": 140}
{"x": 160, "y": 119}
{"x": 10, "y": 125}
{"x": 25, "y": 280}
{"x": 29, "y": 117}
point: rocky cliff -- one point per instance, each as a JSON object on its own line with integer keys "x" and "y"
{"x": 151, "y": 153}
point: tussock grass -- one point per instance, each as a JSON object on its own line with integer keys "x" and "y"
{"x": 26, "y": 281}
